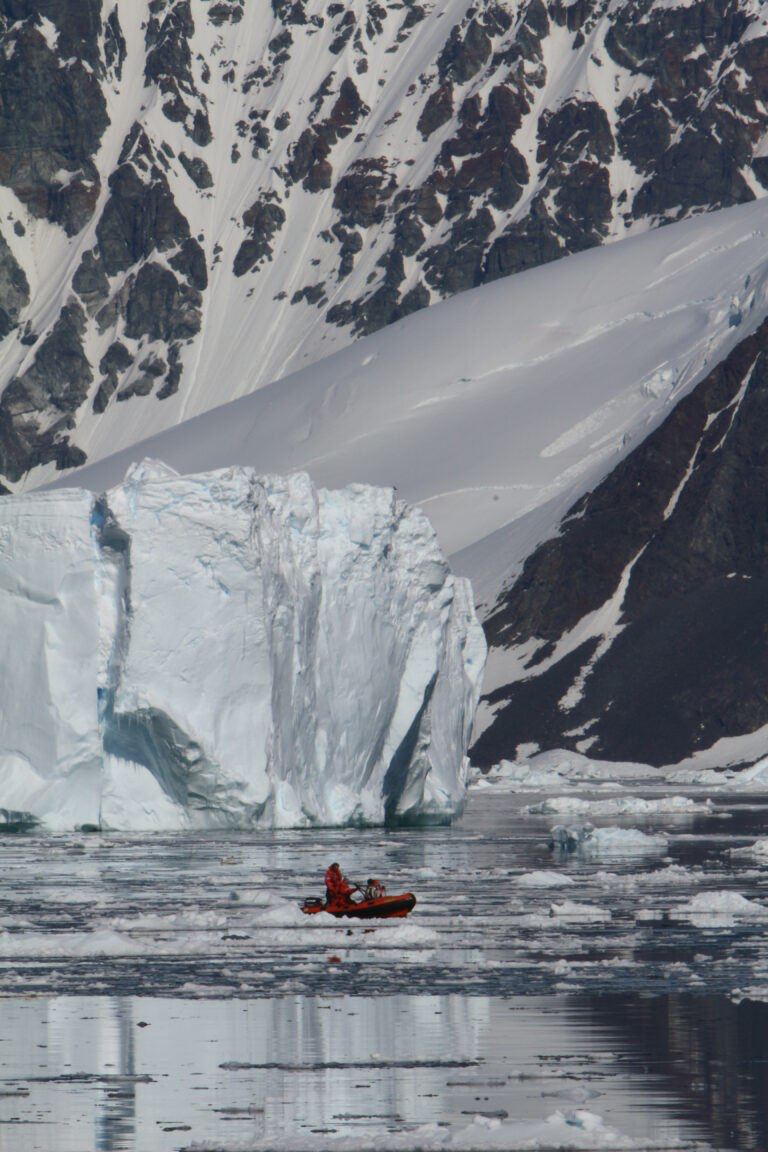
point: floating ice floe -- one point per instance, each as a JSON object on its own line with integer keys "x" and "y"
{"x": 570, "y": 1131}
{"x": 673, "y": 876}
{"x": 187, "y": 934}
{"x": 230, "y": 649}
{"x": 619, "y": 806}
{"x": 591, "y": 841}
{"x": 557, "y": 768}
{"x": 562, "y": 769}
{"x": 544, "y": 879}
{"x": 753, "y": 779}
{"x": 580, "y": 913}
{"x": 719, "y": 910}
{"x": 757, "y": 851}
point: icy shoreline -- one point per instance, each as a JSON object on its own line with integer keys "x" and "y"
{"x": 560, "y": 768}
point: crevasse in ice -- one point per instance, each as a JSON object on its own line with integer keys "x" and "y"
{"x": 230, "y": 649}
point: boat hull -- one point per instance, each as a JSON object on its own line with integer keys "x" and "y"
{"x": 384, "y": 908}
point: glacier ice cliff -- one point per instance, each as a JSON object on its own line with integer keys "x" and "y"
{"x": 229, "y": 649}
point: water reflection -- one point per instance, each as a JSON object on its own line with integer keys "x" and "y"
{"x": 124, "y": 1075}
{"x": 712, "y": 1053}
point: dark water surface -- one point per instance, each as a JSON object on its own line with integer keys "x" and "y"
{"x": 157, "y": 991}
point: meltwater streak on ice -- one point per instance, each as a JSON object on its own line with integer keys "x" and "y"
{"x": 228, "y": 650}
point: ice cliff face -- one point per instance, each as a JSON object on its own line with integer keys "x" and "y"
{"x": 230, "y": 649}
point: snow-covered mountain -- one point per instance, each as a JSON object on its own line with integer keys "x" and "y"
{"x": 588, "y": 439}
{"x": 198, "y": 197}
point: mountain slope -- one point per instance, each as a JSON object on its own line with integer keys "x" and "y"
{"x": 641, "y": 631}
{"x": 496, "y": 410}
{"x": 200, "y": 196}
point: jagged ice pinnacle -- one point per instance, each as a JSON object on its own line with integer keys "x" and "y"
{"x": 229, "y": 649}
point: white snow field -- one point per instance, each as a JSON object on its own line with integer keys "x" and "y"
{"x": 495, "y": 410}
{"x": 228, "y": 650}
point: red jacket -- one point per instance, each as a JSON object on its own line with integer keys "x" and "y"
{"x": 337, "y": 885}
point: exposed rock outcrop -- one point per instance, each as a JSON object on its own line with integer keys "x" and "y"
{"x": 645, "y": 621}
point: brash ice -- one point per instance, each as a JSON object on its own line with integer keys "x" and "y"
{"x": 229, "y": 649}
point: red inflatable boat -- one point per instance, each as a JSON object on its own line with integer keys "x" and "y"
{"x": 382, "y": 908}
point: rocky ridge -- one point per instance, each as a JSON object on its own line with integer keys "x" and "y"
{"x": 197, "y": 197}
{"x": 641, "y": 628}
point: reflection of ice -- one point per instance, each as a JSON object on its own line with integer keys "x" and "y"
{"x": 117, "y": 1115}
{"x": 96, "y": 1038}
{"x": 150, "y": 1075}
{"x": 387, "y": 1031}
{"x": 143, "y": 1065}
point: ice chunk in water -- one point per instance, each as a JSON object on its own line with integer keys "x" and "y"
{"x": 605, "y": 841}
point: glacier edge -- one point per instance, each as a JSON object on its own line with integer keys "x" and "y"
{"x": 229, "y": 649}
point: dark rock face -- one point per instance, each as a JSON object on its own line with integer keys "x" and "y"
{"x": 51, "y": 118}
{"x": 264, "y": 219}
{"x": 14, "y": 289}
{"x": 116, "y": 360}
{"x": 161, "y": 307}
{"x": 437, "y": 111}
{"x": 683, "y": 522}
{"x": 309, "y": 162}
{"x": 90, "y": 281}
{"x": 138, "y": 218}
{"x": 197, "y": 170}
{"x": 169, "y": 66}
{"x": 190, "y": 262}
{"x": 37, "y": 406}
{"x": 60, "y": 374}
{"x": 78, "y": 22}
{"x": 465, "y": 52}
{"x": 224, "y": 11}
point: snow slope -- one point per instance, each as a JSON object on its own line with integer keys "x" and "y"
{"x": 496, "y": 410}
{"x": 230, "y": 650}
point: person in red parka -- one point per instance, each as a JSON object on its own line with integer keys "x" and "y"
{"x": 338, "y": 890}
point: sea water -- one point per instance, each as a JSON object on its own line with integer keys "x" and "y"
{"x": 160, "y": 992}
